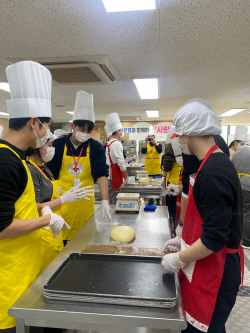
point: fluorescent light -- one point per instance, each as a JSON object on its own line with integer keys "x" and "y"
{"x": 70, "y": 112}
{"x": 128, "y": 5}
{"x": 231, "y": 112}
{"x": 70, "y": 121}
{"x": 152, "y": 113}
{"x": 4, "y": 86}
{"x": 4, "y": 114}
{"x": 147, "y": 88}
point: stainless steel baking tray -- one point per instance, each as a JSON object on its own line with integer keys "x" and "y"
{"x": 113, "y": 279}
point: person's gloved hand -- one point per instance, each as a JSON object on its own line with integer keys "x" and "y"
{"x": 77, "y": 193}
{"x": 174, "y": 190}
{"x": 135, "y": 157}
{"x": 127, "y": 180}
{"x": 56, "y": 222}
{"x": 173, "y": 245}
{"x": 106, "y": 210}
{"x": 171, "y": 262}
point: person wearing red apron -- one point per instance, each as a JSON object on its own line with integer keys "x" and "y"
{"x": 210, "y": 246}
{"x": 114, "y": 156}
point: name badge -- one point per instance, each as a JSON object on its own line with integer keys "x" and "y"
{"x": 76, "y": 181}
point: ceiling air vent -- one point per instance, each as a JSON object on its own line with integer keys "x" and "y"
{"x": 78, "y": 70}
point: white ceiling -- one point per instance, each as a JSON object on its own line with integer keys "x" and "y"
{"x": 198, "y": 48}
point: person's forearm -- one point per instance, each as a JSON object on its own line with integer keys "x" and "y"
{"x": 103, "y": 186}
{"x": 22, "y": 227}
{"x": 52, "y": 204}
{"x": 183, "y": 208}
{"x": 195, "y": 252}
{"x": 125, "y": 174}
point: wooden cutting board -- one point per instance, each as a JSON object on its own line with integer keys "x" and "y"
{"x": 124, "y": 250}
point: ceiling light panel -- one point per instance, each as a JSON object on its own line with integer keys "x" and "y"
{"x": 4, "y": 86}
{"x": 128, "y": 5}
{"x": 147, "y": 88}
{"x": 70, "y": 112}
{"x": 4, "y": 114}
{"x": 231, "y": 112}
{"x": 152, "y": 113}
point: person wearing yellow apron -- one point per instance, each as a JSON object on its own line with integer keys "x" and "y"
{"x": 20, "y": 225}
{"x": 80, "y": 159}
{"x": 48, "y": 193}
{"x": 152, "y": 160}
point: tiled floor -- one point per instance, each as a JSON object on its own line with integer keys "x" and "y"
{"x": 238, "y": 321}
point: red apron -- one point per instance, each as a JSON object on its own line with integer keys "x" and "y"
{"x": 116, "y": 174}
{"x": 200, "y": 280}
{"x": 178, "y": 203}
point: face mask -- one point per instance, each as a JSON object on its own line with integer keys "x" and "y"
{"x": 49, "y": 155}
{"x": 239, "y": 147}
{"x": 41, "y": 141}
{"x": 122, "y": 136}
{"x": 184, "y": 148}
{"x": 82, "y": 137}
{"x": 179, "y": 160}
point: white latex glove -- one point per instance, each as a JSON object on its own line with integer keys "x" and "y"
{"x": 173, "y": 245}
{"x": 77, "y": 193}
{"x": 174, "y": 190}
{"x": 56, "y": 222}
{"x": 106, "y": 210}
{"x": 171, "y": 262}
{"x": 127, "y": 180}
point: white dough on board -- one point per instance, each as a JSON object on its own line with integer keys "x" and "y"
{"x": 122, "y": 234}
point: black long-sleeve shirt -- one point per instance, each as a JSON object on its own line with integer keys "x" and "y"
{"x": 98, "y": 164}
{"x": 158, "y": 148}
{"x": 217, "y": 195}
{"x": 13, "y": 181}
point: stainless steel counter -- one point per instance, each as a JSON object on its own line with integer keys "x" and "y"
{"x": 152, "y": 231}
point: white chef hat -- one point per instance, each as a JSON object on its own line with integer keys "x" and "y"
{"x": 1, "y": 131}
{"x": 174, "y": 142}
{"x": 107, "y": 130}
{"x": 84, "y": 107}
{"x": 113, "y": 122}
{"x": 58, "y": 132}
{"x": 30, "y": 89}
{"x": 202, "y": 101}
{"x": 195, "y": 119}
{"x": 241, "y": 133}
{"x": 151, "y": 130}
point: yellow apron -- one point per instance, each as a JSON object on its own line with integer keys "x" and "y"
{"x": 76, "y": 214}
{"x": 20, "y": 257}
{"x": 152, "y": 161}
{"x": 174, "y": 175}
{"x": 243, "y": 174}
{"x": 50, "y": 246}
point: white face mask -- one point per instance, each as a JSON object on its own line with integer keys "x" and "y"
{"x": 41, "y": 141}
{"x": 179, "y": 160}
{"x": 49, "y": 154}
{"x": 239, "y": 147}
{"x": 82, "y": 137}
{"x": 122, "y": 135}
{"x": 184, "y": 148}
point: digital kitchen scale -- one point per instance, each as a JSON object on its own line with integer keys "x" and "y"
{"x": 127, "y": 202}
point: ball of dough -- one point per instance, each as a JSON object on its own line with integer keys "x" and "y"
{"x": 122, "y": 234}
{"x": 143, "y": 180}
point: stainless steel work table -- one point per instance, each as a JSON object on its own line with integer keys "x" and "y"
{"x": 152, "y": 231}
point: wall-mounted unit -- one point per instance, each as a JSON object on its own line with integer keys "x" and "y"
{"x": 78, "y": 70}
